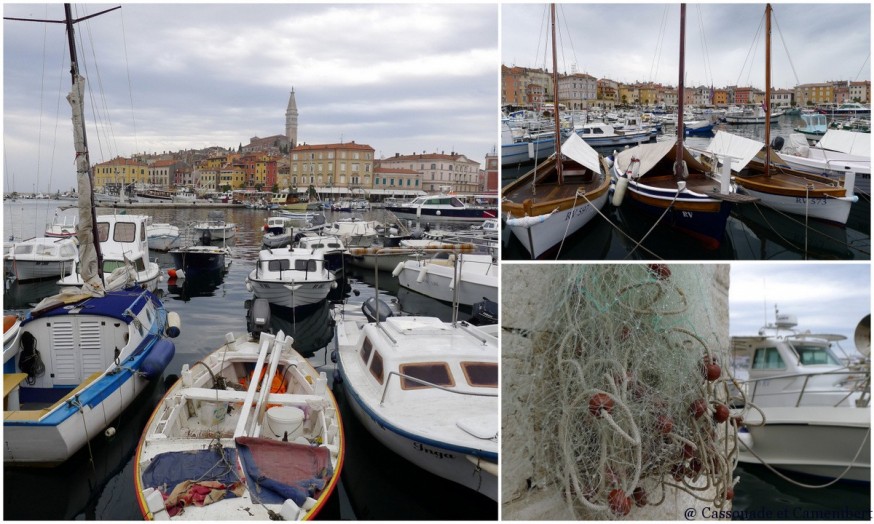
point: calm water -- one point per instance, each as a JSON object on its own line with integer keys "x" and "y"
{"x": 375, "y": 483}
{"x": 753, "y": 232}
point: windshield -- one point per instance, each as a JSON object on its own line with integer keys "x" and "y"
{"x": 816, "y": 356}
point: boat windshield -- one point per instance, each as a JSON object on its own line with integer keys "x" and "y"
{"x": 816, "y": 356}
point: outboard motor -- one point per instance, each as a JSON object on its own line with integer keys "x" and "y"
{"x": 258, "y": 317}
{"x": 369, "y": 309}
{"x": 484, "y": 313}
{"x": 777, "y": 143}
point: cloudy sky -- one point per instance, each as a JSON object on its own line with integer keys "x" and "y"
{"x": 825, "y": 298}
{"x": 629, "y": 42}
{"x": 401, "y": 78}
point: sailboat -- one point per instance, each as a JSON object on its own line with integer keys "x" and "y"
{"x": 83, "y": 356}
{"x": 789, "y": 190}
{"x": 561, "y": 195}
{"x": 665, "y": 180}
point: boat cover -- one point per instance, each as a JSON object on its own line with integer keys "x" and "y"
{"x": 115, "y": 304}
{"x": 648, "y": 154}
{"x": 850, "y": 142}
{"x": 740, "y": 149}
{"x": 580, "y": 152}
{"x": 276, "y": 471}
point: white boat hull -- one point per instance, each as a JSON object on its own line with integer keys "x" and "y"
{"x": 289, "y": 293}
{"x": 832, "y": 209}
{"x": 424, "y": 453}
{"x": 24, "y": 270}
{"x": 437, "y": 281}
{"x": 539, "y": 237}
{"x": 835, "y": 168}
{"x": 821, "y": 441}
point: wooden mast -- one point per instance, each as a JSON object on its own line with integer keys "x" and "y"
{"x": 678, "y": 164}
{"x": 767, "y": 102}
{"x": 558, "y": 166}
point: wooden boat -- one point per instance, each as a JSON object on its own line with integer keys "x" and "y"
{"x": 836, "y": 154}
{"x": 82, "y": 357}
{"x": 251, "y": 432}
{"x": 788, "y": 190}
{"x": 666, "y": 181}
{"x": 559, "y": 196}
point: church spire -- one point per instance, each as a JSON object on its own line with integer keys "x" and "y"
{"x": 291, "y": 115}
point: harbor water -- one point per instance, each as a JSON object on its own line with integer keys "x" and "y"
{"x": 98, "y": 482}
{"x": 753, "y": 231}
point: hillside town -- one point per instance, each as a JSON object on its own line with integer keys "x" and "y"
{"x": 278, "y": 163}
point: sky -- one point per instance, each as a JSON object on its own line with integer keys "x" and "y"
{"x": 640, "y": 42}
{"x": 402, "y": 78}
{"x": 825, "y": 298}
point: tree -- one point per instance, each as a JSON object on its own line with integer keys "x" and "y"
{"x": 225, "y": 188}
{"x": 275, "y": 188}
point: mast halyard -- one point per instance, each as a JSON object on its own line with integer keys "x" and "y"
{"x": 678, "y": 164}
{"x": 558, "y": 163}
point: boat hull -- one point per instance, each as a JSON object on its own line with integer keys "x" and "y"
{"x": 538, "y": 237}
{"x": 436, "y": 281}
{"x": 449, "y": 463}
{"x": 793, "y": 439}
{"x": 289, "y": 293}
{"x": 516, "y": 153}
{"x": 194, "y": 262}
{"x": 824, "y": 208}
{"x": 24, "y": 270}
{"x": 445, "y": 215}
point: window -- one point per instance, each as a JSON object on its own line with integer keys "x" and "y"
{"x": 103, "y": 231}
{"x": 376, "y": 367}
{"x": 305, "y": 265}
{"x": 124, "y": 232}
{"x": 815, "y": 355}
{"x": 366, "y": 349}
{"x": 434, "y": 372}
{"x": 483, "y": 374}
{"x": 768, "y": 358}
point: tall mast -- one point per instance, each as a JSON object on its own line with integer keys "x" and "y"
{"x": 83, "y": 163}
{"x": 767, "y": 102}
{"x": 558, "y": 166}
{"x": 678, "y": 164}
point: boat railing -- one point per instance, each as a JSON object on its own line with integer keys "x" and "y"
{"x": 859, "y": 381}
{"x": 429, "y": 384}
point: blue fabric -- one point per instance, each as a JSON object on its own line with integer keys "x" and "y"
{"x": 113, "y": 304}
{"x": 174, "y": 467}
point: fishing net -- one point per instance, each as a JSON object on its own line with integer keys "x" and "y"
{"x": 626, "y": 388}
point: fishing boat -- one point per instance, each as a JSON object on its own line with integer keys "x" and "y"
{"x": 82, "y": 357}
{"x": 162, "y": 237}
{"x": 666, "y": 181}
{"x": 836, "y": 154}
{"x": 290, "y": 277}
{"x": 354, "y": 232}
{"x": 811, "y": 409}
{"x": 40, "y": 258}
{"x": 465, "y": 278}
{"x": 125, "y": 249}
{"x": 787, "y": 190}
{"x": 599, "y": 134}
{"x": 251, "y": 432}
{"x": 446, "y": 208}
{"x": 560, "y": 195}
{"x": 194, "y": 261}
{"x": 514, "y": 150}
{"x": 428, "y": 391}
{"x": 215, "y": 228}
{"x": 752, "y": 115}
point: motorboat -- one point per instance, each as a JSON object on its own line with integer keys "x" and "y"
{"x": 41, "y": 257}
{"x": 290, "y": 277}
{"x": 331, "y": 248}
{"x": 125, "y": 250}
{"x": 278, "y": 231}
{"x": 11, "y": 335}
{"x": 62, "y": 226}
{"x": 214, "y": 228}
{"x": 467, "y": 278}
{"x": 806, "y": 409}
{"x": 600, "y": 134}
{"x": 837, "y": 155}
{"x": 162, "y": 237}
{"x": 815, "y": 126}
{"x": 253, "y": 426}
{"x": 354, "y": 232}
{"x": 446, "y": 207}
{"x": 201, "y": 260}
{"x": 428, "y": 391}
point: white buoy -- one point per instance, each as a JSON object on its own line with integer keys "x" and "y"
{"x": 398, "y": 269}
{"x": 174, "y": 324}
{"x": 110, "y": 432}
{"x": 422, "y": 274}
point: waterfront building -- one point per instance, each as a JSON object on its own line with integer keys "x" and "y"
{"x": 782, "y": 97}
{"x": 860, "y": 91}
{"x": 119, "y": 172}
{"x": 439, "y": 170}
{"x": 814, "y": 94}
{"x": 490, "y": 182}
{"x": 344, "y": 165}
{"x": 162, "y": 173}
{"x": 388, "y": 179}
{"x": 577, "y": 91}
{"x": 518, "y": 86}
